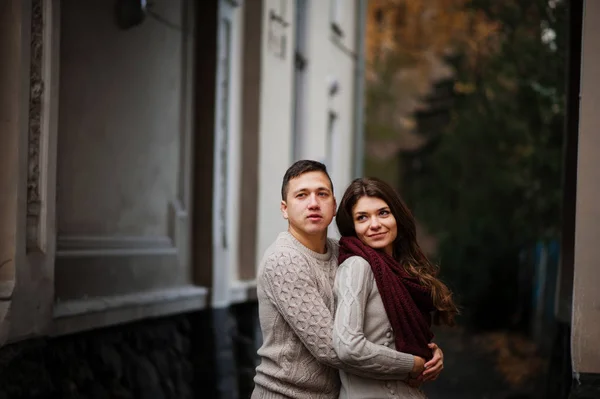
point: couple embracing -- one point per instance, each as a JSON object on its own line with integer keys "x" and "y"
{"x": 351, "y": 319}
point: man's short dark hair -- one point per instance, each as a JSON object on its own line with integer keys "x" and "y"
{"x": 299, "y": 168}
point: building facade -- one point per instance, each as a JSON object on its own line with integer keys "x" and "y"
{"x": 575, "y": 365}
{"x": 142, "y": 151}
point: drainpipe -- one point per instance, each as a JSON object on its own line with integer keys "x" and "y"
{"x": 359, "y": 89}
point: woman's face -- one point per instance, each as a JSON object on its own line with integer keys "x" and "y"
{"x": 374, "y": 223}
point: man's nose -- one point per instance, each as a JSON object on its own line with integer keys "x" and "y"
{"x": 312, "y": 201}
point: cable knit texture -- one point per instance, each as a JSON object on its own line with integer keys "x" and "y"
{"x": 296, "y": 306}
{"x": 362, "y": 331}
{"x": 408, "y": 303}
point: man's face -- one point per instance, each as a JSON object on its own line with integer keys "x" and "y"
{"x": 310, "y": 205}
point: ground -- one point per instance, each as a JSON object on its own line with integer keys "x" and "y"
{"x": 493, "y": 365}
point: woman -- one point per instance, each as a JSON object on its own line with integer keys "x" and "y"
{"x": 387, "y": 292}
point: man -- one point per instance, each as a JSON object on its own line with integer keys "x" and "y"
{"x": 296, "y": 304}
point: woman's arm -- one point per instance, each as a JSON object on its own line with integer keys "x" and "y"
{"x": 353, "y": 284}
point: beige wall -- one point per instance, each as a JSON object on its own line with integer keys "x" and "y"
{"x": 275, "y": 121}
{"x": 586, "y": 294}
{"x": 330, "y": 58}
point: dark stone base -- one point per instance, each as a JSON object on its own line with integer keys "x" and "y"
{"x": 230, "y": 339}
{"x": 586, "y": 386}
{"x": 208, "y": 354}
{"x": 559, "y": 374}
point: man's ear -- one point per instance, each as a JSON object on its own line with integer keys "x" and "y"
{"x": 283, "y": 208}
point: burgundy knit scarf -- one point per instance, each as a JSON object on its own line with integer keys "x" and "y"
{"x": 407, "y": 303}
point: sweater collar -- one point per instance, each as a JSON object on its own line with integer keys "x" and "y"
{"x": 322, "y": 257}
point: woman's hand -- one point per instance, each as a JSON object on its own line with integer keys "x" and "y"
{"x": 434, "y": 367}
{"x": 429, "y": 371}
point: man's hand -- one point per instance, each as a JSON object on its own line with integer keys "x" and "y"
{"x": 434, "y": 367}
{"x": 415, "y": 373}
{"x": 418, "y": 367}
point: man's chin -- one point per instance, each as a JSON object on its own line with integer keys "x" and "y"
{"x": 311, "y": 230}
{"x": 316, "y": 229}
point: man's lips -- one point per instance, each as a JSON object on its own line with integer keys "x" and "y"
{"x": 315, "y": 217}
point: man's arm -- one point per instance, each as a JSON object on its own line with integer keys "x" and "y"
{"x": 292, "y": 289}
{"x": 352, "y": 287}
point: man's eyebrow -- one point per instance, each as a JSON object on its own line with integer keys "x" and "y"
{"x": 322, "y": 188}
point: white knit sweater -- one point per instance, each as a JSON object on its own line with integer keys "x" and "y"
{"x": 296, "y": 304}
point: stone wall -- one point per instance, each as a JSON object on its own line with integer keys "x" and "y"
{"x": 173, "y": 357}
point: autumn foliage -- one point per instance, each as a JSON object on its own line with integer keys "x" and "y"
{"x": 481, "y": 163}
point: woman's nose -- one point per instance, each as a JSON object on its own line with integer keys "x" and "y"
{"x": 375, "y": 223}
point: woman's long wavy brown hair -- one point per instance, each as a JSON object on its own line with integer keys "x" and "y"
{"x": 406, "y": 249}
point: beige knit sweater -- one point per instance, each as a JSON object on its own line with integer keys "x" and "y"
{"x": 361, "y": 330}
{"x": 296, "y": 304}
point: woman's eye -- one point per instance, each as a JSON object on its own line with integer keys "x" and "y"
{"x": 384, "y": 213}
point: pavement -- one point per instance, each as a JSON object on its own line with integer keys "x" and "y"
{"x": 494, "y": 365}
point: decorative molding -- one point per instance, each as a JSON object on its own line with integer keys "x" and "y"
{"x": 34, "y": 276}
{"x": 223, "y": 127}
{"x": 36, "y": 92}
{"x": 179, "y": 231}
{"x": 6, "y": 290}
{"x": 242, "y": 291}
{"x": 94, "y": 305}
{"x": 222, "y": 157}
{"x": 91, "y": 246}
{"x": 90, "y": 313}
{"x": 178, "y": 215}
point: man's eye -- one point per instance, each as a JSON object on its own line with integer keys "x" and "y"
{"x": 323, "y": 194}
{"x": 300, "y": 195}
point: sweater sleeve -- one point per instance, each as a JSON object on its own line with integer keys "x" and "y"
{"x": 353, "y": 284}
{"x": 293, "y": 291}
